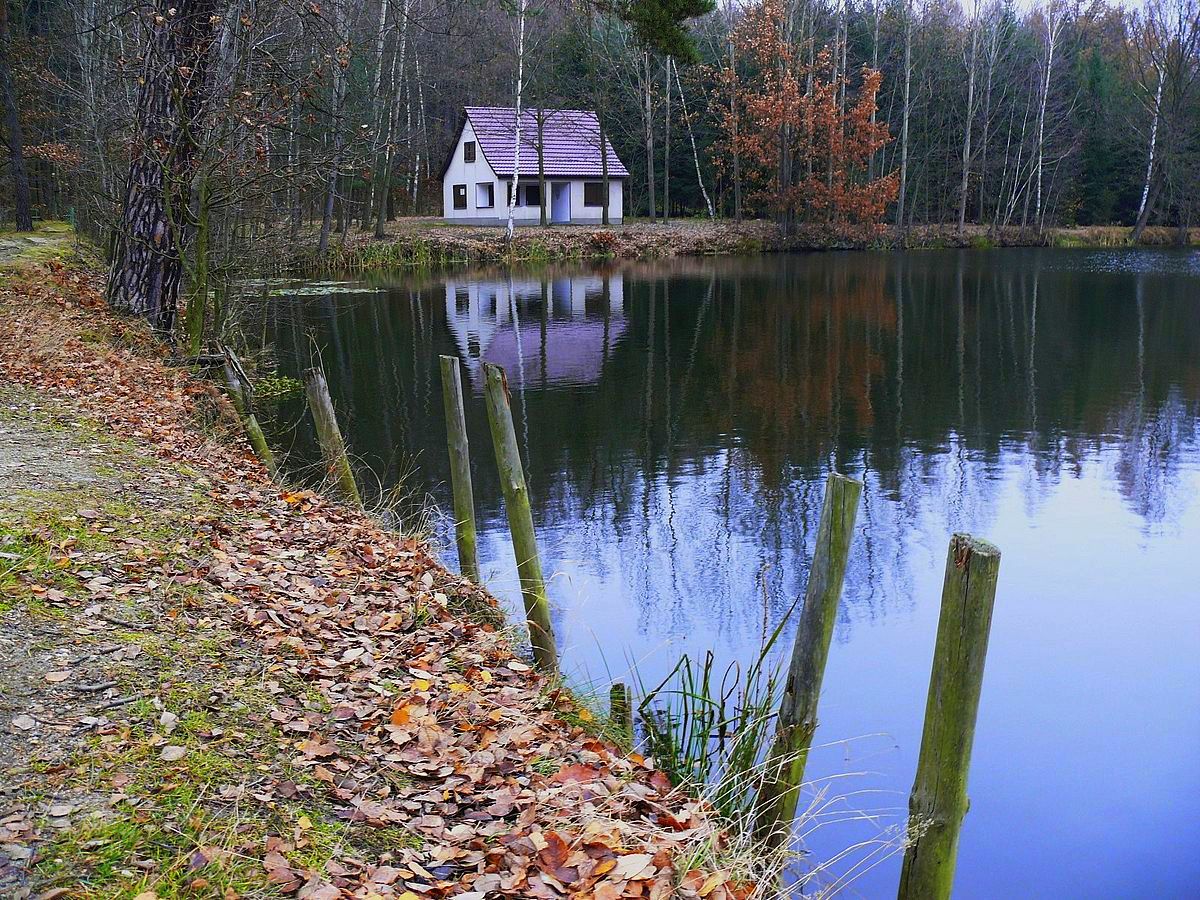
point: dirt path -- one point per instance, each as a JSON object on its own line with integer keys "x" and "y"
{"x": 214, "y": 687}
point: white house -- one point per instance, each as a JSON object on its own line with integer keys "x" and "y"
{"x": 479, "y": 171}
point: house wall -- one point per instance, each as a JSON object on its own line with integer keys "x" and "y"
{"x": 478, "y": 172}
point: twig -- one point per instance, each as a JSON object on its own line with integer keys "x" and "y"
{"x": 95, "y": 688}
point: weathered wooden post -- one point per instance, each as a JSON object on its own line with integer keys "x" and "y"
{"x": 939, "y": 796}
{"x": 333, "y": 448}
{"x": 520, "y": 519}
{"x": 620, "y": 709}
{"x": 241, "y": 403}
{"x": 797, "y": 722}
{"x": 460, "y": 468}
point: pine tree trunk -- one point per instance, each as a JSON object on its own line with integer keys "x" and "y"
{"x": 147, "y": 267}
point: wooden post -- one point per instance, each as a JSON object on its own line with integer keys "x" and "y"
{"x": 520, "y": 519}
{"x": 620, "y": 709}
{"x": 333, "y": 448}
{"x": 460, "y": 468}
{"x": 939, "y": 796}
{"x": 784, "y": 768}
{"x": 254, "y": 432}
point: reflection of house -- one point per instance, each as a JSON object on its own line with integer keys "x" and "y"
{"x": 564, "y": 339}
{"x": 478, "y": 174}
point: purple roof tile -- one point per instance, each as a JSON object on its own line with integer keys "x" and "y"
{"x": 572, "y": 141}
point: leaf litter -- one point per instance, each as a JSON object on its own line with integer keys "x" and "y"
{"x": 397, "y": 708}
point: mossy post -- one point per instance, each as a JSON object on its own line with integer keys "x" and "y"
{"x": 460, "y": 468}
{"x": 254, "y": 432}
{"x": 797, "y": 722}
{"x": 520, "y": 519}
{"x": 333, "y": 448}
{"x": 939, "y": 796}
{"x": 620, "y": 709}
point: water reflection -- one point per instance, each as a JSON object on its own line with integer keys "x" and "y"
{"x": 677, "y": 419}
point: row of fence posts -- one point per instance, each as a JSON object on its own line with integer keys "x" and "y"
{"x": 938, "y": 802}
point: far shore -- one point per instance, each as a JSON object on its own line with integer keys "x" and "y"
{"x": 427, "y": 241}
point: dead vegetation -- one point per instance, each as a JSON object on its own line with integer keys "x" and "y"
{"x": 221, "y": 688}
{"x": 428, "y": 242}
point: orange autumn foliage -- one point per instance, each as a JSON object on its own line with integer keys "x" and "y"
{"x": 804, "y": 143}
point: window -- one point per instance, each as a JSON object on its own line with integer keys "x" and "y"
{"x": 533, "y": 195}
{"x": 460, "y": 196}
{"x": 485, "y": 195}
{"x": 593, "y": 193}
{"x": 469, "y": 151}
{"x": 462, "y": 300}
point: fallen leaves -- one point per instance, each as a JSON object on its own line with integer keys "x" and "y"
{"x": 401, "y": 713}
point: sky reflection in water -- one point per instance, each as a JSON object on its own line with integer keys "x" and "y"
{"x": 677, "y": 420}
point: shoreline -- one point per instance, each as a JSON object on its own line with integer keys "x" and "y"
{"x": 231, "y": 684}
{"x": 428, "y": 243}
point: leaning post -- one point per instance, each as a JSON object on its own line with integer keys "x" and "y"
{"x": 333, "y": 448}
{"x": 797, "y": 721}
{"x": 520, "y": 519}
{"x": 938, "y": 801}
{"x": 460, "y": 468}
{"x": 241, "y": 404}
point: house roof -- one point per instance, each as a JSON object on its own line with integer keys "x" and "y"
{"x": 571, "y": 138}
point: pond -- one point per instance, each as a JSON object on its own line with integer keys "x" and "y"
{"x": 677, "y": 419}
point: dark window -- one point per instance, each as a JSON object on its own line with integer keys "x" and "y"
{"x": 485, "y": 195}
{"x": 593, "y": 193}
{"x": 469, "y": 151}
{"x": 533, "y": 195}
{"x": 462, "y": 300}
{"x": 460, "y": 196}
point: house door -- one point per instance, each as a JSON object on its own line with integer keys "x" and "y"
{"x": 560, "y": 201}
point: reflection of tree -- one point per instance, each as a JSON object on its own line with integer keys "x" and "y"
{"x": 682, "y": 464}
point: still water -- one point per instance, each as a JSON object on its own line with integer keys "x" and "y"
{"x": 677, "y": 420}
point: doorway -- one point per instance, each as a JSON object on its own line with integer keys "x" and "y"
{"x": 560, "y": 202}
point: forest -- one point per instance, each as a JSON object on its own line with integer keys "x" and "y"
{"x": 209, "y": 132}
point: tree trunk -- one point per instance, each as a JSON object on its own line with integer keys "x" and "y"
{"x": 648, "y": 121}
{"x": 737, "y": 160}
{"x": 147, "y": 266}
{"x": 1144, "y": 206}
{"x": 904, "y": 117}
{"x": 692, "y": 137}
{"x": 509, "y": 228}
{"x": 666, "y": 216}
{"x": 22, "y": 207}
{"x": 339, "y": 98}
{"x": 1053, "y": 24}
{"x": 604, "y": 216}
{"x": 541, "y": 148}
{"x": 966, "y": 150}
{"x": 871, "y": 163}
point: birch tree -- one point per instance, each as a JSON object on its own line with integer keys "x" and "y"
{"x": 509, "y": 227}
